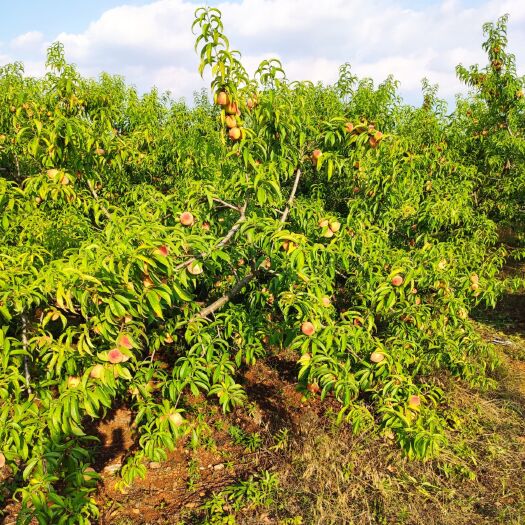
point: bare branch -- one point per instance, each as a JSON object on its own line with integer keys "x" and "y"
{"x": 95, "y": 195}
{"x": 235, "y": 227}
{"x": 19, "y": 177}
{"x": 286, "y": 211}
{"x": 219, "y": 303}
{"x": 226, "y": 204}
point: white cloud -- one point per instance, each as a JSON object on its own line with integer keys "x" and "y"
{"x": 27, "y": 41}
{"x": 153, "y": 44}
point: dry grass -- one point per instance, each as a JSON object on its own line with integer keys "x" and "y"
{"x": 333, "y": 477}
{"x": 329, "y": 476}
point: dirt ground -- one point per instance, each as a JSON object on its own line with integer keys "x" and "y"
{"x": 189, "y": 476}
{"x": 330, "y": 476}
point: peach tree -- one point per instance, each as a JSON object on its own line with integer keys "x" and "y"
{"x": 490, "y": 128}
{"x": 151, "y": 252}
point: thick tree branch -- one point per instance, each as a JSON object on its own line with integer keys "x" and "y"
{"x": 221, "y": 301}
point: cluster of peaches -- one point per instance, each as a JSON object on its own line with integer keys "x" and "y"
{"x": 187, "y": 219}
{"x": 233, "y": 113}
{"x": 375, "y": 136}
{"x": 308, "y": 328}
{"x": 329, "y": 227}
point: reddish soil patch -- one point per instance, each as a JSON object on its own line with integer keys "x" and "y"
{"x": 188, "y": 476}
{"x": 116, "y": 439}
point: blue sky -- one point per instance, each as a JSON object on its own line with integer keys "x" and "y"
{"x": 150, "y": 42}
{"x": 56, "y": 16}
{"x": 53, "y": 17}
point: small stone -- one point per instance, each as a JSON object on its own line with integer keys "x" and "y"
{"x": 114, "y": 467}
{"x": 136, "y": 511}
{"x": 219, "y": 466}
{"x": 154, "y": 465}
{"x": 202, "y": 494}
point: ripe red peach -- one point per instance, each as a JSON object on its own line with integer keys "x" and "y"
{"x": 235, "y": 133}
{"x": 222, "y": 98}
{"x": 397, "y": 280}
{"x": 97, "y": 371}
{"x": 414, "y": 402}
{"x": 326, "y": 301}
{"x": 115, "y": 356}
{"x": 73, "y": 381}
{"x": 186, "y": 218}
{"x": 307, "y": 328}
{"x": 377, "y": 357}
{"x": 231, "y": 109}
{"x": 316, "y": 155}
{"x": 162, "y": 250}
{"x": 230, "y": 121}
{"x": 125, "y": 342}
{"x": 335, "y": 226}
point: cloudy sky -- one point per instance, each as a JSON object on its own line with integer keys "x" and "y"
{"x": 150, "y": 42}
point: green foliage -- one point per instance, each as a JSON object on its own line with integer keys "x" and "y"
{"x": 251, "y": 441}
{"x": 490, "y": 128}
{"x": 109, "y": 295}
{"x": 256, "y": 492}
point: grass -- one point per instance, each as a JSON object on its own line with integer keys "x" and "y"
{"x": 334, "y": 477}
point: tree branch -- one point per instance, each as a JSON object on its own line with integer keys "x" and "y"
{"x": 222, "y": 242}
{"x": 228, "y": 296}
{"x": 25, "y": 345}
{"x": 286, "y": 211}
{"x": 96, "y": 197}
{"x": 221, "y": 301}
{"x": 18, "y": 176}
{"x": 227, "y": 204}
